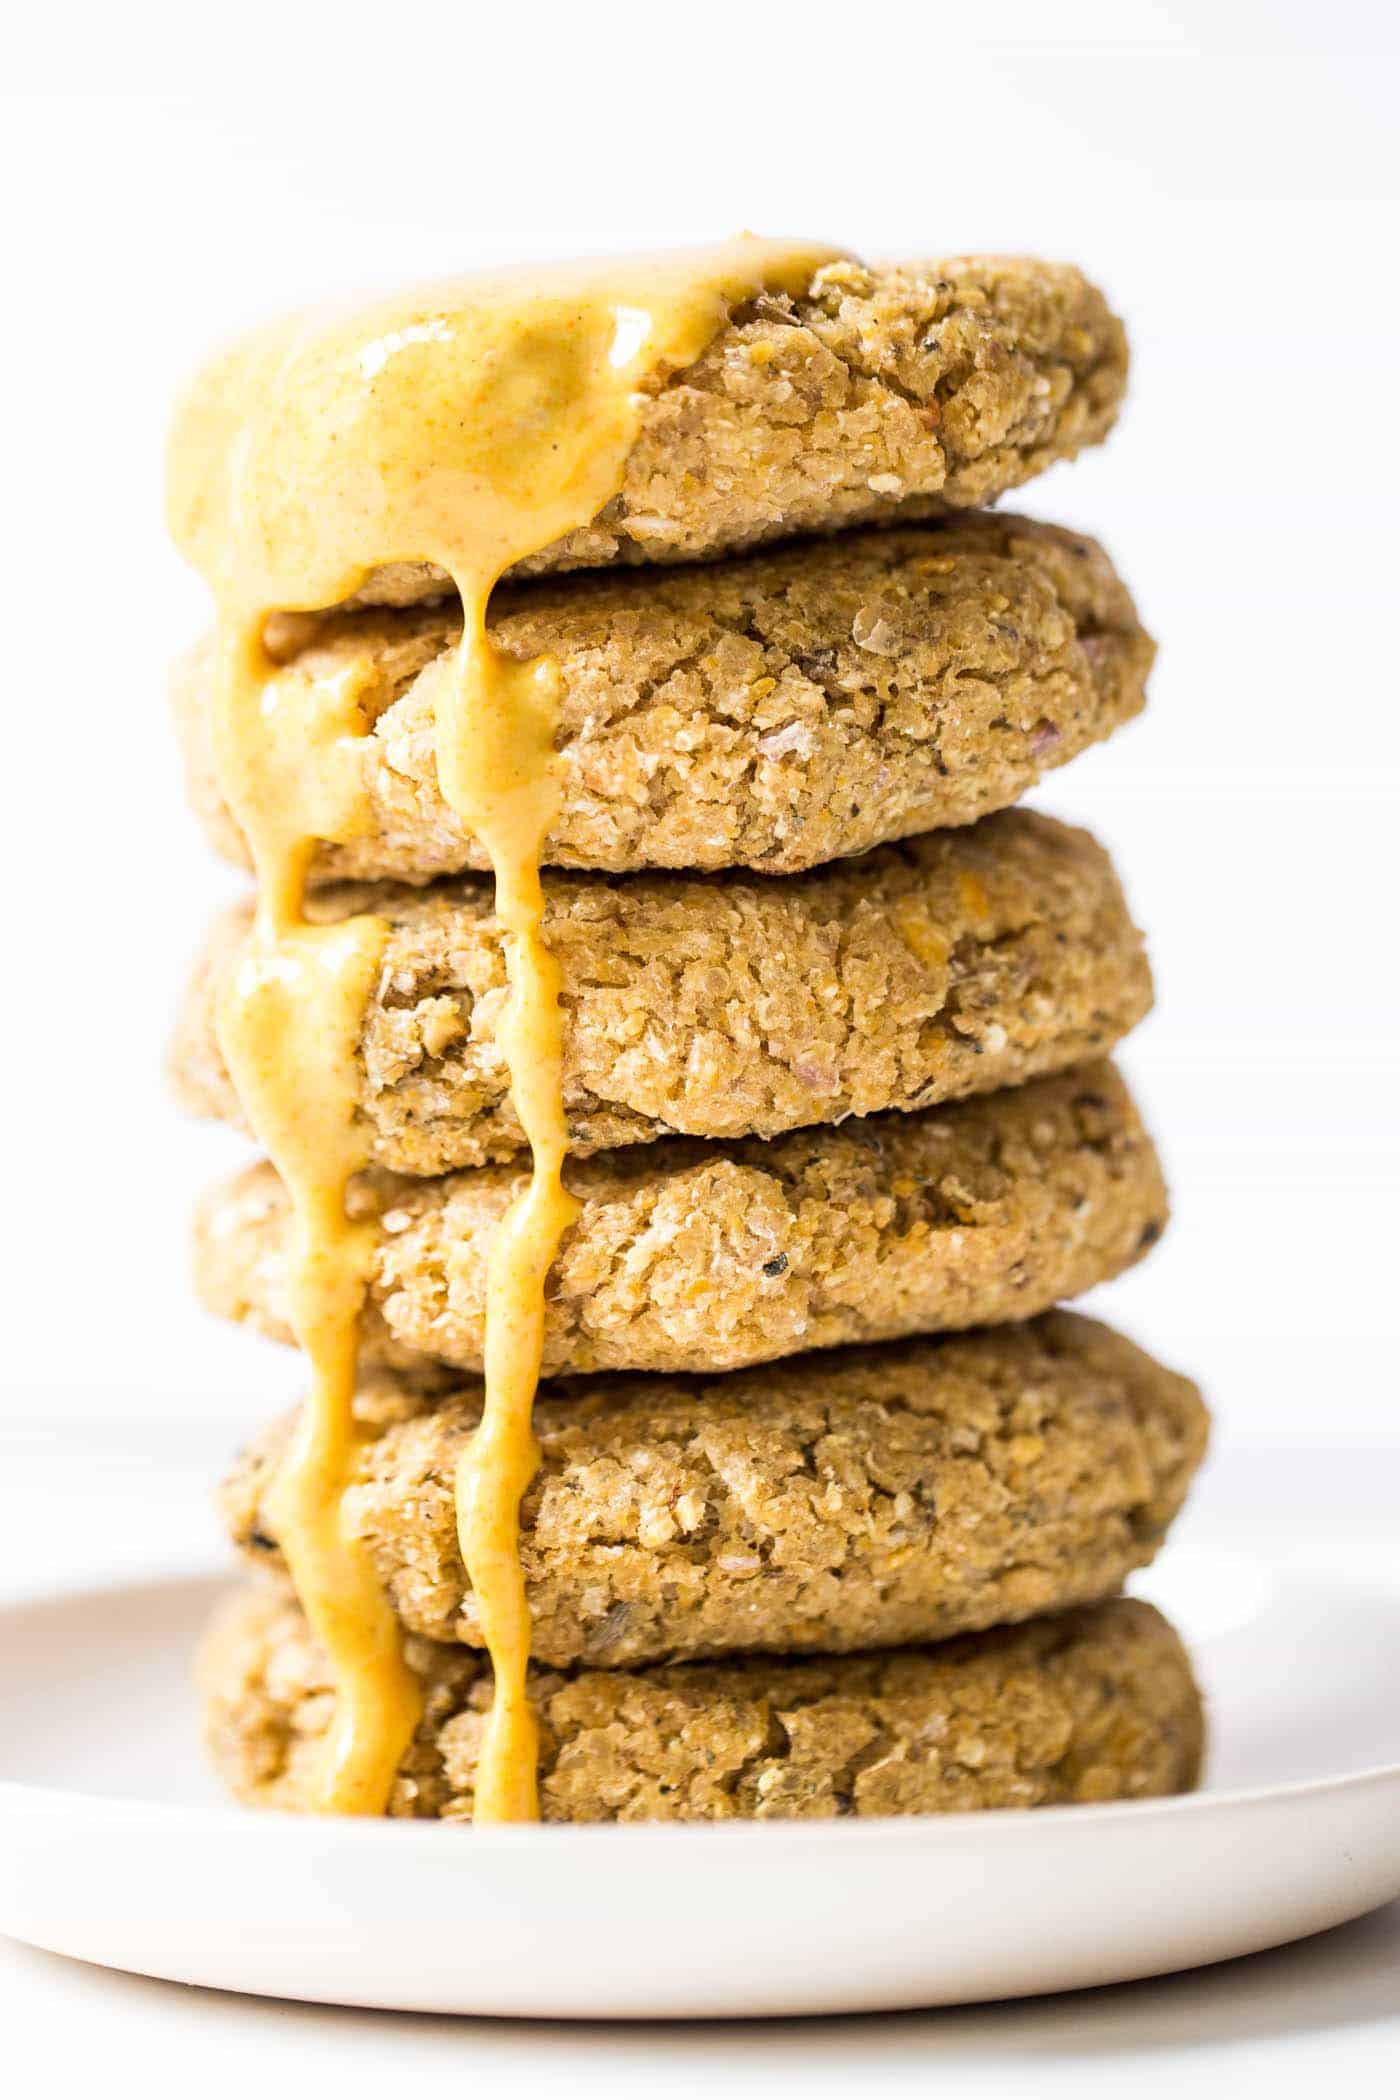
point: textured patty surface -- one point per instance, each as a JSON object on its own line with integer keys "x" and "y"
{"x": 864, "y": 1498}
{"x": 888, "y": 389}
{"x": 689, "y": 1256}
{"x": 773, "y": 713}
{"x": 724, "y": 1006}
{"x": 1095, "y": 1705}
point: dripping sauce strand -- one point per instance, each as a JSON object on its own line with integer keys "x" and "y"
{"x": 289, "y": 1022}
{"x": 469, "y": 425}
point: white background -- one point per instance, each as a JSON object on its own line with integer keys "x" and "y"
{"x": 1228, "y": 172}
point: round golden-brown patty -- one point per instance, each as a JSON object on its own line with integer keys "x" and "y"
{"x": 723, "y": 1006}
{"x": 858, "y": 1499}
{"x": 688, "y": 1256}
{"x": 1095, "y": 1705}
{"x": 774, "y": 712}
{"x": 887, "y": 390}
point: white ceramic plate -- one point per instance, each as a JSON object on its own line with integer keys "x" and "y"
{"x": 115, "y": 1847}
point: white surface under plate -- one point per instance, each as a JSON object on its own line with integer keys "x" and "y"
{"x": 115, "y": 1847}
